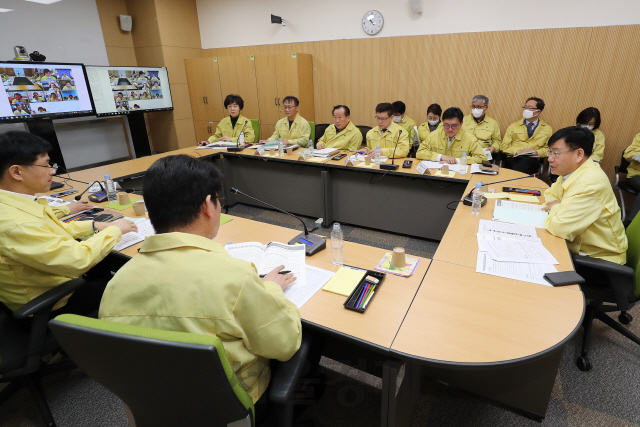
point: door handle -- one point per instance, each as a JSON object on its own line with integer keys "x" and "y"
{"x": 275, "y": 101}
{"x": 206, "y": 99}
{"x": 278, "y": 100}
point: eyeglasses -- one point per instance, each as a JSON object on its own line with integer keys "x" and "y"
{"x": 555, "y": 154}
{"x": 453, "y": 127}
{"x": 288, "y": 107}
{"x": 524, "y": 107}
{"x": 382, "y": 119}
{"x": 53, "y": 166}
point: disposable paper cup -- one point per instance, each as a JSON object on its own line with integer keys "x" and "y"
{"x": 398, "y": 259}
{"x": 138, "y": 208}
{"x": 445, "y": 169}
{"x": 123, "y": 199}
{"x": 367, "y": 160}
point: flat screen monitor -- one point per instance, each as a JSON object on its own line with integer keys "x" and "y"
{"x": 43, "y": 90}
{"x": 125, "y": 90}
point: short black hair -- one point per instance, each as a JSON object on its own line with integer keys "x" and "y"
{"x": 293, "y": 99}
{"x": 435, "y": 109}
{"x": 587, "y": 114}
{"x": 234, "y": 99}
{"x": 453, "y": 113}
{"x": 120, "y": 93}
{"x": 347, "y": 111}
{"x": 399, "y": 107}
{"x": 385, "y": 107}
{"x": 46, "y": 70}
{"x": 539, "y": 102}
{"x": 575, "y": 137}
{"x": 175, "y": 187}
{"x": 20, "y": 148}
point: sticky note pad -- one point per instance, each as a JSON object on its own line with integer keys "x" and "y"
{"x": 344, "y": 281}
{"x": 496, "y": 195}
{"x": 224, "y": 219}
{"x": 523, "y": 198}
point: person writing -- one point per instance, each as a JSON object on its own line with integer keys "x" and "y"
{"x": 343, "y": 134}
{"x": 292, "y": 129}
{"x": 192, "y": 284}
{"x": 38, "y": 251}
{"x": 582, "y": 207}
{"x": 390, "y": 137}
{"x": 229, "y": 128}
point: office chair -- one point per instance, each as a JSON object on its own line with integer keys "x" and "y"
{"x": 312, "y": 135}
{"x": 22, "y": 346}
{"x": 364, "y": 130}
{"x": 169, "y": 378}
{"x": 609, "y": 287}
{"x": 255, "y": 124}
{"x": 622, "y": 185}
{"x": 320, "y": 131}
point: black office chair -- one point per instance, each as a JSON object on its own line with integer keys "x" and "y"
{"x": 320, "y": 131}
{"x": 169, "y": 378}
{"x": 610, "y": 287}
{"x": 22, "y": 346}
{"x": 364, "y": 130}
{"x": 622, "y": 185}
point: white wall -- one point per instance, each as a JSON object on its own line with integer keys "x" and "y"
{"x": 247, "y": 22}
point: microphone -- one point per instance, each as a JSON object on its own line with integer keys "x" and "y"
{"x": 79, "y": 196}
{"x": 468, "y": 199}
{"x": 313, "y": 243}
{"x": 238, "y": 148}
{"x": 393, "y": 165}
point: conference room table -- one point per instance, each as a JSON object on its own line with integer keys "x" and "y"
{"x": 496, "y": 337}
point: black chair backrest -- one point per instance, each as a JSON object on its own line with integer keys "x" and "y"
{"x": 624, "y": 164}
{"x": 164, "y": 383}
{"x": 364, "y": 130}
{"x": 320, "y": 129}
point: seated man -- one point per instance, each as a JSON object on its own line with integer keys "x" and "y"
{"x": 447, "y": 143}
{"x": 292, "y": 129}
{"x": 581, "y": 204}
{"x": 342, "y": 135}
{"x": 400, "y": 117}
{"x": 37, "y": 251}
{"x": 483, "y": 127}
{"x": 527, "y": 136}
{"x": 390, "y": 137}
{"x": 191, "y": 283}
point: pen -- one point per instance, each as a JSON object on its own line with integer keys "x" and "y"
{"x": 280, "y": 272}
{"x": 364, "y": 292}
{"x": 367, "y": 296}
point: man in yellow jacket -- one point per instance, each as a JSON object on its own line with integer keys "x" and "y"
{"x": 484, "y": 128}
{"x": 632, "y": 155}
{"x": 191, "y": 283}
{"x": 581, "y": 204}
{"x": 448, "y": 143}
{"x": 37, "y": 251}
{"x": 292, "y": 129}
{"x": 527, "y": 139}
{"x": 343, "y": 134}
{"x": 229, "y": 128}
{"x": 401, "y": 118}
{"x": 390, "y": 137}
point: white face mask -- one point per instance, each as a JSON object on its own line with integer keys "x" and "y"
{"x": 397, "y": 119}
{"x": 434, "y": 122}
{"x": 477, "y": 112}
{"x": 587, "y": 126}
{"x": 527, "y": 114}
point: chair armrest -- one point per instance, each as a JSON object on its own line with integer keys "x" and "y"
{"x": 611, "y": 268}
{"x": 48, "y": 299}
{"x": 286, "y": 376}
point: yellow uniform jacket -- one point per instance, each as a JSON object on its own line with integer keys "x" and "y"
{"x": 408, "y": 123}
{"x": 487, "y": 131}
{"x": 349, "y": 138}
{"x": 424, "y": 131}
{"x": 299, "y": 133}
{"x": 516, "y": 138}
{"x": 464, "y": 142}
{"x": 224, "y": 128}
{"x": 387, "y": 142}
{"x": 598, "y": 146}
{"x": 629, "y": 153}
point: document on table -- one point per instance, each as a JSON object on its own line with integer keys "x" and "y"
{"x": 54, "y": 201}
{"x": 511, "y": 231}
{"x": 144, "y": 229}
{"x": 268, "y": 257}
{"x": 360, "y": 158}
{"x": 532, "y": 273}
{"x": 507, "y": 250}
{"x": 510, "y": 196}
{"x": 520, "y": 213}
{"x": 316, "y": 278}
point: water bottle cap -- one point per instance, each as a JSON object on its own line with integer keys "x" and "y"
{"x": 478, "y": 184}
{"x": 377, "y": 146}
{"x": 464, "y": 154}
{"x": 107, "y": 176}
{"x": 336, "y": 226}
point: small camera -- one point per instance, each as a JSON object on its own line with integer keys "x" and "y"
{"x": 21, "y": 53}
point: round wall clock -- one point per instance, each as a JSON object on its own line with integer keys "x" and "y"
{"x": 372, "y": 22}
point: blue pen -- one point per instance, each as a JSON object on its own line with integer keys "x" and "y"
{"x": 364, "y": 291}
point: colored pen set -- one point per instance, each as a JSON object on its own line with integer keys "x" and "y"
{"x": 365, "y": 290}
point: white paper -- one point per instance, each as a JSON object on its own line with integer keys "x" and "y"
{"x": 55, "y": 202}
{"x": 519, "y": 205}
{"x": 520, "y": 213}
{"x": 359, "y": 157}
{"x": 532, "y": 273}
{"x": 636, "y": 157}
{"x": 488, "y": 153}
{"x": 316, "y": 279}
{"x": 507, "y": 250}
{"x": 206, "y": 147}
{"x": 422, "y": 168}
{"x": 432, "y": 165}
{"x": 144, "y": 229}
{"x": 506, "y": 230}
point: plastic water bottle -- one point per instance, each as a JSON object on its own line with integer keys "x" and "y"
{"x": 476, "y": 199}
{"x": 111, "y": 189}
{"x": 337, "y": 245}
{"x": 376, "y": 156}
{"x": 280, "y": 148}
{"x": 311, "y": 149}
{"x": 463, "y": 164}
{"x": 241, "y": 138}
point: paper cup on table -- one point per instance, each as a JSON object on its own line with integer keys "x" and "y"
{"x": 138, "y": 208}
{"x": 367, "y": 160}
{"x": 123, "y": 199}
{"x": 445, "y": 169}
{"x": 398, "y": 259}
{"x": 289, "y": 150}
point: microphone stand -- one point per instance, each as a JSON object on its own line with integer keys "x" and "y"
{"x": 392, "y": 166}
{"x": 468, "y": 199}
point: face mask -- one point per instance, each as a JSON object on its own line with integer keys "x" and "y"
{"x": 397, "y": 119}
{"x": 587, "y": 126}
{"x": 477, "y": 112}
{"x": 527, "y": 114}
{"x": 434, "y": 122}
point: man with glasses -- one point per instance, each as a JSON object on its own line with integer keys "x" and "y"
{"x": 525, "y": 141}
{"x": 37, "y": 251}
{"x": 292, "y": 129}
{"x": 447, "y": 143}
{"x": 343, "y": 134}
{"x": 387, "y": 135}
{"x": 581, "y": 204}
{"x": 483, "y": 127}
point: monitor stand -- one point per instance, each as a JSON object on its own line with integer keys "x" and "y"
{"x": 139, "y": 135}
{"x": 45, "y": 130}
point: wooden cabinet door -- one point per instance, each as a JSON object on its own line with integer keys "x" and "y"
{"x": 213, "y": 95}
{"x": 287, "y": 76}
{"x": 196, "y": 88}
{"x": 266, "y": 131}
{"x": 228, "y": 76}
{"x": 246, "y": 75}
{"x": 266, "y": 81}
{"x": 202, "y": 130}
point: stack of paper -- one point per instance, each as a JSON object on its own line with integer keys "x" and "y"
{"x": 360, "y": 158}
{"x": 326, "y": 152}
{"x": 316, "y": 278}
{"x": 144, "y": 229}
{"x": 520, "y": 213}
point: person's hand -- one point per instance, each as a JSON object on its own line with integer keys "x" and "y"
{"x": 203, "y": 143}
{"x": 76, "y": 207}
{"x": 285, "y": 141}
{"x": 124, "y": 225}
{"x": 550, "y": 205}
{"x": 491, "y": 149}
{"x": 320, "y": 146}
{"x": 283, "y": 280}
{"x": 526, "y": 150}
{"x": 226, "y": 139}
{"x": 262, "y": 141}
{"x": 416, "y": 143}
{"x": 364, "y": 151}
{"x": 448, "y": 159}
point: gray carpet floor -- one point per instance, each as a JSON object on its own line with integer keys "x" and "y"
{"x": 607, "y": 396}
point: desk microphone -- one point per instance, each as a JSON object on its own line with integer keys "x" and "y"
{"x": 79, "y": 196}
{"x": 238, "y": 148}
{"x": 393, "y": 165}
{"x": 468, "y": 199}
{"x": 313, "y": 243}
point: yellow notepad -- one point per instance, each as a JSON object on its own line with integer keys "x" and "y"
{"x": 514, "y": 197}
{"x": 344, "y": 281}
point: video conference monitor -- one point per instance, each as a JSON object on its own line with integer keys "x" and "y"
{"x": 125, "y": 90}
{"x": 43, "y": 90}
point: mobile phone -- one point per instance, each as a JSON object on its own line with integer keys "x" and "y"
{"x": 564, "y": 278}
{"x": 339, "y": 156}
{"x": 407, "y": 163}
{"x": 486, "y": 163}
{"x": 520, "y": 190}
{"x": 102, "y": 217}
{"x": 64, "y": 193}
